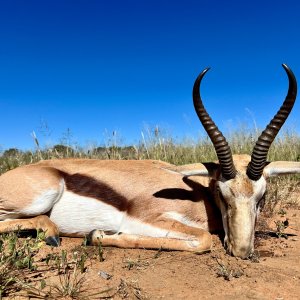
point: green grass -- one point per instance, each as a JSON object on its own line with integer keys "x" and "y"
{"x": 153, "y": 145}
{"x": 17, "y": 256}
{"x": 158, "y": 146}
{"x": 17, "y": 260}
{"x": 25, "y": 272}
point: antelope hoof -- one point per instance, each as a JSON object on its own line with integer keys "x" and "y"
{"x": 53, "y": 241}
{"x": 89, "y": 238}
{"x": 95, "y": 236}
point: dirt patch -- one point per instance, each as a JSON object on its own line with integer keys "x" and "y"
{"x": 272, "y": 273}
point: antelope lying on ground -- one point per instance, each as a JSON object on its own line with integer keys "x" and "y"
{"x": 149, "y": 204}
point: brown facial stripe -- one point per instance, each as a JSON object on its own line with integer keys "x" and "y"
{"x": 89, "y": 187}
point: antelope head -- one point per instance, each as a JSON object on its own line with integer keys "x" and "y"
{"x": 240, "y": 183}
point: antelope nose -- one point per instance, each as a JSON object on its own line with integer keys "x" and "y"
{"x": 242, "y": 252}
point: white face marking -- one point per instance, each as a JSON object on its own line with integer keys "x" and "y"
{"x": 260, "y": 187}
{"x": 239, "y": 212}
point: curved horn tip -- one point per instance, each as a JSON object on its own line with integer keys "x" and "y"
{"x": 199, "y": 79}
{"x": 288, "y": 71}
{"x": 261, "y": 148}
{"x": 286, "y": 67}
{"x": 205, "y": 70}
{"x": 201, "y": 75}
{"x": 292, "y": 80}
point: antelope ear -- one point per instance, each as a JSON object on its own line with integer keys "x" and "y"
{"x": 277, "y": 168}
{"x": 211, "y": 170}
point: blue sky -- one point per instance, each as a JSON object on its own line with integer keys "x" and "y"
{"x": 102, "y": 66}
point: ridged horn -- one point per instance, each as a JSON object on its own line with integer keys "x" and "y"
{"x": 220, "y": 144}
{"x": 262, "y": 146}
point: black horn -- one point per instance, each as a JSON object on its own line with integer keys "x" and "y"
{"x": 260, "y": 151}
{"x": 220, "y": 144}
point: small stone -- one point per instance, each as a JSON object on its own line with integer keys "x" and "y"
{"x": 105, "y": 275}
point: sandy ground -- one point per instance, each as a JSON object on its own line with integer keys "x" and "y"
{"x": 273, "y": 273}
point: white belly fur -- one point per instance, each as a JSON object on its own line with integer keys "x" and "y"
{"x": 75, "y": 214}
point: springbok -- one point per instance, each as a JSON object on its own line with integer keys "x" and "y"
{"x": 149, "y": 204}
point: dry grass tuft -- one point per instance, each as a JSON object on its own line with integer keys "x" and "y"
{"x": 17, "y": 256}
{"x": 156, "y": 145}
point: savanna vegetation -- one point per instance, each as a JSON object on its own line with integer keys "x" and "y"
{"x": 22, "y": 263}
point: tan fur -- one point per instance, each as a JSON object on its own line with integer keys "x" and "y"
{"x": 150, "y": 192}
{"x": 197, "y": 241}
{"x": 242, "y": 185}
{"x": 137, "y": 181}
{"x": 40, "y": 222}
{"x": 20, "y": 186}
